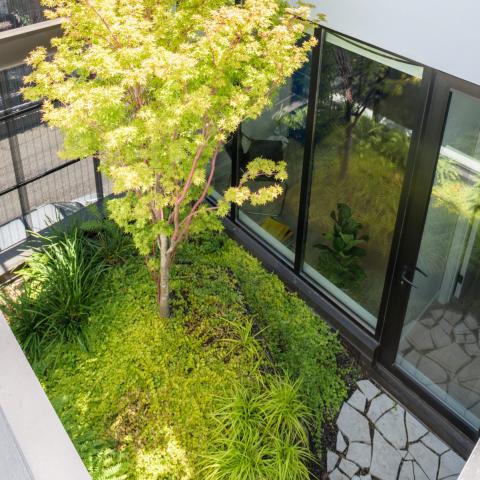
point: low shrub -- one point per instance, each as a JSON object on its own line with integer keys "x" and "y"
{"x": 59, "y": 283}
{"x": 298, "y": 341}
{"x": 164, "y": 400}
{"x": 112, "y": 244}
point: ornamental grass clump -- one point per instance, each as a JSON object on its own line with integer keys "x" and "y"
{"x": 261, "y": 434}
{"x": 58, "y": 285}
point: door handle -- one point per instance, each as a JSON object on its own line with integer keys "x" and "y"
{"x": 419, "y": 270}
{"x": 404, "y": 280}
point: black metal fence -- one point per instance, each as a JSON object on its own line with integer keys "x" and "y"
{"x": 36, "y": 187}
{"x": 19, "y": 13}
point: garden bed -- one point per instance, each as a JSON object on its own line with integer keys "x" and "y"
{"x": 150, "y": 398}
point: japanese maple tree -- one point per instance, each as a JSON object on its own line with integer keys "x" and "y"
{"x": 154, "y": 89}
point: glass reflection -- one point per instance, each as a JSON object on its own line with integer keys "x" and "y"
{"x": 440, "y": 337}
{"x": 278, "y": 134}
{"x": 368, "y": 105}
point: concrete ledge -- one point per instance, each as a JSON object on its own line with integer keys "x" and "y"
{"x": 39, "y": 434}
{"x": 471, "y": 470}
{"x": 17, "y": 43}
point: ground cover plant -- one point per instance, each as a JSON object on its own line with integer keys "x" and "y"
{"x": 236, "y": 385}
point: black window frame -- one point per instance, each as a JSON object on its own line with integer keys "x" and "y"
{"x": 378, "y": 347}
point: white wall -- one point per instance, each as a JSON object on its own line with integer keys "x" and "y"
{"x": 41, "y": 438}
{"x": 438, "y": 33}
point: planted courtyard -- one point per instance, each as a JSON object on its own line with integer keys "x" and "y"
{"x": 239, "y": 382}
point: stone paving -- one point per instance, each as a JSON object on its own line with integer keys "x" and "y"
{"x": 378, "y": 439}
{"x": 443, "y": 352}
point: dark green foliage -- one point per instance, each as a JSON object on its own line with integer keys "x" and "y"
{"x": 59, "y": 284}
{"x": 340, "y": 253}
{"x": 392, "y": 144}
{"x": 112, "y": 244}
{"x": 298, "y": 341}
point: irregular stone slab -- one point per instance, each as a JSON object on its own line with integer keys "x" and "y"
{"x": 341, "y": 444}
{"x": 406, "y": 471}
{"x": 436, "y": 314}
{"x": 415, "y": 429}
{"x": 358, "y": 401}
{"x": 447, "y": 328}
{"x": 432, "y": 370}
{"x": 368, "y": 388}
{"x": 460, "y": 338}
{"x": 439, "y": 337}
{"x": 392, "y": 427}
{"x": 470, "y": 372}
{"x": 337, "y": 475}
{"x": 379, "y": 406}
{"x": 470, "y": 338}
{"x": 353, "y": 425}
{"x": 450, "y": 464}
{"x": 461, "y": 329}
{"x": 360, "y": 453}
{"x": 434, "y": 443}
{"x": 428, "y": 322}
{"x": 452, "y": 317}
{"x": 464, "y": 395}
{"x": 426, "y": 459}
{"x": 472, "y": 349}
{"x": 413, "y": 357}
{"x": 348, "y": 467}
{"x": 473, "y": 385}
{"x": 452, "y": 357}
{"x": 385, "y": 459}
{"x": 418, "y": 472}
{"x": 471, "y": 322}
{"x": 419, "y": 336}
{"x": 332, "y": 459}
{"x": 404, "y": 345}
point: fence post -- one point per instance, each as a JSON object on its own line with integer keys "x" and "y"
{"x": 98, "y": 177}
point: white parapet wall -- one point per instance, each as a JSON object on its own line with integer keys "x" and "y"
{"x": 438, "y": 33}
{"x": 471, "y": 471}
{"x": 39, "y": 446}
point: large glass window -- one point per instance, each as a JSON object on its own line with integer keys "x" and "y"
{"x": 278, "y": 134}
{"x": 368, "y": 103}
{"x": 222, "y": 178}
{"x": 439, "y": 346}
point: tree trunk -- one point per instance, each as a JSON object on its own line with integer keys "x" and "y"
{"x": 163, "y": 288}
{"x": 347, "y": 149}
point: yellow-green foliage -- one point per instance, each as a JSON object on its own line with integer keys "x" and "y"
{"x": 140, "y": 403}
{"x": 155, "y": 89}
{"x": 298, "y": 341}
{"x": 148, "y": 387}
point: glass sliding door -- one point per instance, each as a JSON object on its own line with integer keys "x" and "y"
{"x": 440, "y": 339}
{"x": 368, "y": 107}
{"x": 222, "y": 177}
{"x": 279, "y": 135}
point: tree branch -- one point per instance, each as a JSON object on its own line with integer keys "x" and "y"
{"x": 102, "y": 19}
{"x": 188, "y": 219}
